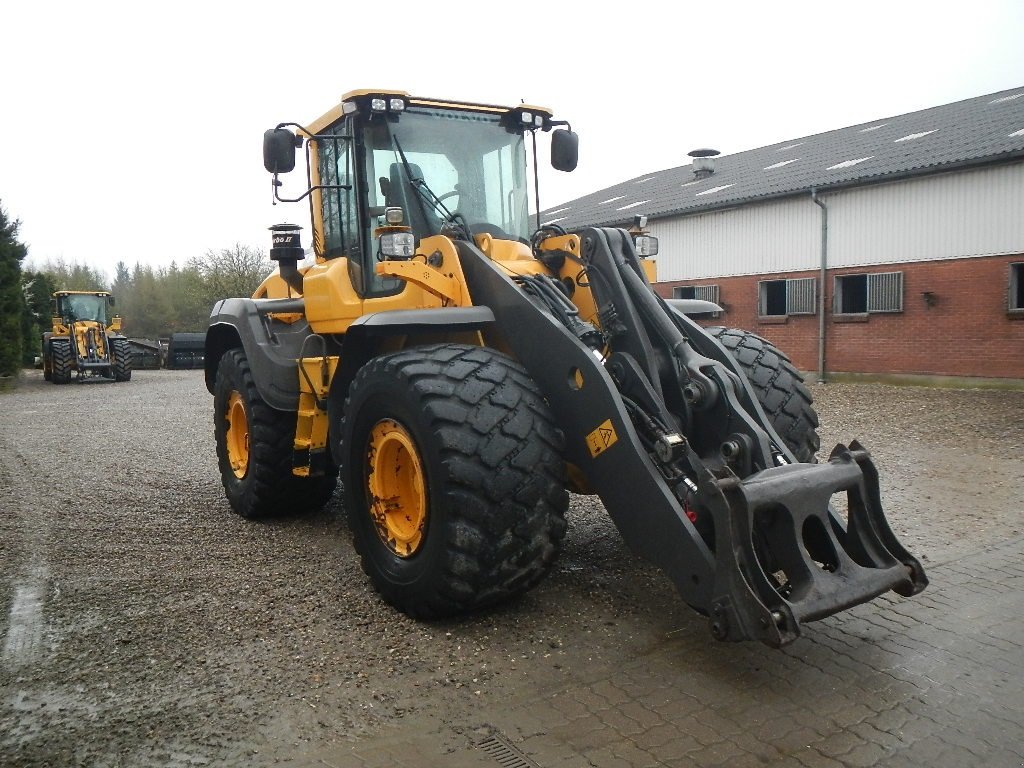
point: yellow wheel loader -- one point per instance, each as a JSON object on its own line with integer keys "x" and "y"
{"x": 462, "y": 366}
{"x": 86, "y": 339}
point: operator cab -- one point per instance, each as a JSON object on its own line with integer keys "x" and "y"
{"x": 76, "y": 307}
{"x": 385, "y": 163}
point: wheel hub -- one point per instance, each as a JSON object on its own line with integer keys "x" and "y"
{"x": 396, "y": 488}
{"x": 237, "y": 436}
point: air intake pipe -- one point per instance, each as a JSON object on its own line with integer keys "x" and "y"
{"x": 286, "y": 250}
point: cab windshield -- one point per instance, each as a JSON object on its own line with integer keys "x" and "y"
{"x": 466, "y": 160}
{"x": 83, "y": 307}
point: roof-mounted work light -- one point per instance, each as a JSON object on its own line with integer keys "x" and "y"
{"x": 375, "y": 103}
{"x": 528, "y": 118}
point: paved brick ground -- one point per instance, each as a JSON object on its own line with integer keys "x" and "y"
{"x": 933, "y": 681}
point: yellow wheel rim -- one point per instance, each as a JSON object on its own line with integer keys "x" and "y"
{"x": 396, "y": 488}
{"x": 237, "y": 438}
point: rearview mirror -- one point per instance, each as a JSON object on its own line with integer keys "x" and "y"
{"x": 564, "y": 150}
{"x": 279, "y": 150}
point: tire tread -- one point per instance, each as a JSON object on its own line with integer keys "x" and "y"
{"x": 503, "y": 488}
{"x": 786, "y": 400}
{"x": 269, "y": 488}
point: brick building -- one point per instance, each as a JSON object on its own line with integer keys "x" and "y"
{"x": 889, "y": 247}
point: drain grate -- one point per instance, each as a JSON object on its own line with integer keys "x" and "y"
{"x": 506, "y": 755}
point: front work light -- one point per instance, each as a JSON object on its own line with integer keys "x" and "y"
{"x": 394, "y": 216}
{"x": 396, "y": 105}
{"x": 378, "y": 105}
{"x": 397, "y": 245}
{"x": 646, "y": 245}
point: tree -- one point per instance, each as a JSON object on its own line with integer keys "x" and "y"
{"x": 12, "y": 303}
{"x": 236, "y": 271}
{"x": 149, "y": 311}
{"x": 74, "y": 276}
{"x": 122, "y": 280}
{"x": 37, "y": 289}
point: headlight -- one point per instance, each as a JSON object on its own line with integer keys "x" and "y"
{"x": 646, "y": 245}
{"x": 398, "y": 245}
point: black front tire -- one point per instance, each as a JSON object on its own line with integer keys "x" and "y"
{"x": 779, "y": 387}
{"x": 491, "y": 456}
{"x": 60, "y": 356}
{"x": 266, "y": 487}
{"x": 122, "y": 358}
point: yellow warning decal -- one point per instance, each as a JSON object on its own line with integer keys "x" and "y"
{"x": 601, "y": 439}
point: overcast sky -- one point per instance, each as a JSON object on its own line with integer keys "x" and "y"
{"x": 132, "y": 132}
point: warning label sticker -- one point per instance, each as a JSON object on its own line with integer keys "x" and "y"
{"x": 601, "y": 439}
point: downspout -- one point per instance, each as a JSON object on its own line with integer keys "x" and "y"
{"x": 821, "y": 291}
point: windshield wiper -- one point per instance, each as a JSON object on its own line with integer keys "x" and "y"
{"x": 425, "y": 194}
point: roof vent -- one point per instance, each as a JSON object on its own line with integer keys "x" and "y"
{"x": 703, "y": 162}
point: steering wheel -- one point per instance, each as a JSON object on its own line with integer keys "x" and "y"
{"x": 446, "y": 195}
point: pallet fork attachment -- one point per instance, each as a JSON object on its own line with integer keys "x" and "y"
{"x": 784, "y": 556}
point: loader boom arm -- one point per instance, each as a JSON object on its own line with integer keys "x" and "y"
{"x": 670, "y": 437}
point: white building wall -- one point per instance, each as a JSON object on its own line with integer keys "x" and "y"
{"x": 953, "y": 215}
{"x": 771, "y": 237}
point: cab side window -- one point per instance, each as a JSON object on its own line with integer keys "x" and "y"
{"x": 338, "y": 206}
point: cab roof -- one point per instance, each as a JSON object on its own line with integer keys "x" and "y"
{"x": 361, "y": 94}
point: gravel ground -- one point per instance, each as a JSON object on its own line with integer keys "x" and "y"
{"x": 145, "y": 624}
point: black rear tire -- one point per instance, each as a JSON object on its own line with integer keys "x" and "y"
{"x": 779, "y": 387}
{"x": 488, "y": 455}
{"x": 263, "y": 486}
{"x": 122, "y": 357}
{"x": 60, "y": 355}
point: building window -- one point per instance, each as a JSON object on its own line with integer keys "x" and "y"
{"x": 1017, "y": 287}
{"x": 777, "y": 298}
{"x": 702, "y": 292}
{"x": 875, "y": 292}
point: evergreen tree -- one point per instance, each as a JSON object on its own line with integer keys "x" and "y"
{"x": 37, "y": 288}
{"x": 12, "y": 303}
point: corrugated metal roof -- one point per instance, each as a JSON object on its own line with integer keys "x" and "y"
{"x": 976, "y": 131}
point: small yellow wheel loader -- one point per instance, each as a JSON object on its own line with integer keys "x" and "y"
{"x": 461, "y": 369}
{"x": 86, "y": 339}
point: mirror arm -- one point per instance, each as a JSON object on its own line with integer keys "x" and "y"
{"x": 278, "y": 199}
{"x": 299, "y": 141}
